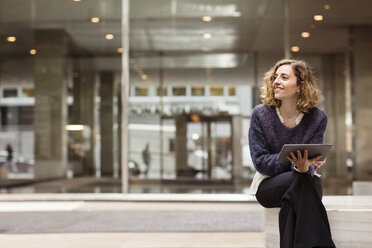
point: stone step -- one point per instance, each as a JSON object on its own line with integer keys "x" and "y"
{"x": 350, "y": 218}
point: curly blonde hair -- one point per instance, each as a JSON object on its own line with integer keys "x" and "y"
{"x": 309, "y": 92}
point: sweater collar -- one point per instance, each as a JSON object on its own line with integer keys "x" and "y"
{"x": 298, "y": 119}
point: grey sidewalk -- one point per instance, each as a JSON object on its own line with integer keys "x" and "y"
{"x": 130, "y": 224}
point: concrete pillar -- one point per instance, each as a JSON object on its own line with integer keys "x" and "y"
{"x": 51, "y": 73}
{"x": 362, "y": 87}
{"x": 237, "y": 141}
{"x": 181, "y": 146}
{"x": 333, "y": 87}
{"x": 107, "y": 122}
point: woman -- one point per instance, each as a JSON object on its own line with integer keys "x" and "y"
{"x": 289, "y": 115}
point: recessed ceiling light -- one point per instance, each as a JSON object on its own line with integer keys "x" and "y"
{"x": 295, "y": 49}
{"x": 207, "y": 36}
{"x": 76, "y": 0}
{"x": 305, "y": 34}
{"x": 11, "y": 38}
{"x": 327, "y": 7}
{"x": 95, "y": 20}
{"x": 120, "y": 50}
{"x": 33, "y": 51}
{"x": 207, "y": 18}
{"x": 109, "y": 36}
{"x": 318, "y": 18}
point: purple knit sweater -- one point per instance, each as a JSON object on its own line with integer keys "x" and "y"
{"x": 267, "y": 135}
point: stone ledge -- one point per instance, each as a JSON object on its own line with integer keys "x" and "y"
{"x": 350, "y": 218}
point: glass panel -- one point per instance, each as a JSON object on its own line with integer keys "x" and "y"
{"x": 231, "y": 90}
{"x": 141, "y": 91}
{"x": 7, "y": 93}
{"x": 179, "y": 91}
{"x": 197, "y": 147}
{"x": 27, "y": 93}
{"x": 47, "y": 83}
{"x": 221, "y": 153}
{"x": 197, "y": 91}
{"x": 216, "y": 90}
{"x": 163, "y": 92}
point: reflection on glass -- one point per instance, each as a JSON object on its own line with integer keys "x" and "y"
{"x": 197, "y": 91}
{"x": 28, "y": 92}
{"x": 179, "y": 91}
{"x": 162, "y": 92}
{"x": 231, "y": 90}
{"x": 7, "y": 93}
{"x": 141, "y": 91}
{"x": 216, "y": 91}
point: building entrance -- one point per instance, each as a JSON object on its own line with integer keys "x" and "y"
{"x": 204, "y": 147}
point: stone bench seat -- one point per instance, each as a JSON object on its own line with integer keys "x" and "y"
{"x": 350, "y": 218}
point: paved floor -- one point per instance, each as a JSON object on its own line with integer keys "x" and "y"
{"x": 130, "y": 224}
{"x": 134, "y": 240}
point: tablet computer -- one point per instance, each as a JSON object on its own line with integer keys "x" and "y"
{"x": 313, "y": 150}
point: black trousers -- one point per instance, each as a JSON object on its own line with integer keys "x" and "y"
{"x": 303, "y": 221}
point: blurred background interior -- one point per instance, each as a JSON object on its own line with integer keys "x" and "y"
{"x": 194, "y": 72}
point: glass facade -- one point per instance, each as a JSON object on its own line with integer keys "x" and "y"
{"x": 194, "y": 72}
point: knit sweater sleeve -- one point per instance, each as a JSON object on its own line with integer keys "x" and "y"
{"x": 319, "y": 133}
{"x": 264, "y": 161}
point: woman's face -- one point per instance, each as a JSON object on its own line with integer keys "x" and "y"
{"x": 285, "y": 83}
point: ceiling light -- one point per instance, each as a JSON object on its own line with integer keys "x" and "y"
{"x": 11, "y": 38}
{"x": 144, "y": 76}
{"x": 120, "y": 50}
{"x": 305, "y": 34}
{"x": 318, "y": 18}
{"x": 109, "y": 36}
{"x": 295, "y": 49}
{"x": 327, "y": 7}
{"x": 207, "y": 18}
{"x": 95, "y": 20}
{"x": 76, "y": 0}
{"x": 33, "y": 51}
{"x": 73, "y": 127}
{"x": 207, "y": 36}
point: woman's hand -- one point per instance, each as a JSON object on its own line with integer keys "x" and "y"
{"x": 302, "y": 163}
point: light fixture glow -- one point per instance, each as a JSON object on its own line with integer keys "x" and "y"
{"x": 207, "y": 18}
{"x": 318, "y": 18}
{"x": 33, "y": 51}
{"x": 76, "y": 0}
{"x": 74, "y": 127}
{"x": 120, "y": 50}
{"x": 295, "y": 49}
{"x": 109, "y": 36}
{"x": 195, "y": 136}
{"x": 144, "y": 76}
{"x": 305, "y": 34}
{"x": 207, "y": 36}
{"x": 11, "y": 38}
{"x": 95, "y": 20}
{"x": 327, "y": 7}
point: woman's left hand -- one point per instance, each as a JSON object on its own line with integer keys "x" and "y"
{"x": 302, "y": 163}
